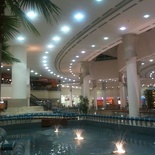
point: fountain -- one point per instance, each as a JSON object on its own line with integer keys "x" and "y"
{"x": 119, "y": 146}
{"x": 56, "y": 129}
{"x": 78, "y": 134}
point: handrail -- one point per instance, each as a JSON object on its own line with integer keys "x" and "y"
{"x": 35, "y": 97}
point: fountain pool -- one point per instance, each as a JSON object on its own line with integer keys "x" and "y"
{"x": 97, "y": 141}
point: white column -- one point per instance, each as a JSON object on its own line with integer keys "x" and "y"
{"x": 95, "y": 94}
{"x": 104, "y": 93}
{"x": 129, "y": 42}
{"x": 28, "y": 87}
{"x": 19, "y": 73}
{"x": 82, "y": 89}
{"x": 86, "y": 91}
{"x": 70, "y": 96}
{"x": 139, "y": 85}
{"x": 123, "y": 94}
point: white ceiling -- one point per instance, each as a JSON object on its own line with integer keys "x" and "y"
{"x": 101, "y": 19}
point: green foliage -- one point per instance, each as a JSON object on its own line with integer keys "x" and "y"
{"x": 16, "y": 17}
{"x": 7, "y": 57}
{"x": 83, "y": 105}
{"x": 149, "y": 98}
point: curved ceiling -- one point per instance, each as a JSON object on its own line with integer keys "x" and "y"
{"x": 97, "y": 31}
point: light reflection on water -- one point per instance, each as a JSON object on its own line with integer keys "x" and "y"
{"x": 97, "y": 141}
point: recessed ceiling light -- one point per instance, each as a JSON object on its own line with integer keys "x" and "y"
{"x": 31, "y": 14}
{"x": 20, "y": 38}
{"x": 46, "y": 52}
{"x": 32, "y": 71}
{"x": 151, "y": 60}
{"x": 44, "y": 64}
{"x": 44, "y": 61}
{"x": 98, "y": 0}
{"x": 40, "y": 75}
{"x": 44, "y": 57}
{"x": 56, "y": 38}
{"x": 105, "y": 38}
{"x": 71, "y": 64}
{"x": 73, "y": 60}
{"x": 92, "y": 45}
{"x": 46, "y": 67}
{"x": 65, "y": 29}
{"x": 83, "y": 51}
{"x": 36, "y": 73}
{"x": 58, "y": 75}
{"x": 122, "y": 28}
{"x": 77, "y": 56}
{"x": 142, "y": 63}
{"x": 50, "y": 46}
{"x": 146, "y": 16}
{"x": 79, "y": 16}
{"x": 1, "y": 66}
{"x": 54, "y": 74}
{"x": 51, "y": 72}
{"x": 8, "y": 69}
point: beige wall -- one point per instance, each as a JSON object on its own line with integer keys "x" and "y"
{"x": 104, "y": 69}
{"x": 6, "y": 91}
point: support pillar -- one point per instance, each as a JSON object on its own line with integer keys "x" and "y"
{"x": 123, "y": 94}
{"x": 86, "y": 77}
{"x": 104, "y": 93}
{"x": 70, "y": 97}
{"x": 129, "y": 42}
{"x": 95, "y": 94}
{"x": 19, "y": 77}
{"x": 28, "y": 87}
{"x": 86, "y": 88}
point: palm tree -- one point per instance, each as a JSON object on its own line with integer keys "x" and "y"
{"x": 15, "y": 17}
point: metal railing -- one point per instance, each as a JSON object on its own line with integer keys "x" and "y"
{"x": 124, "y": 120}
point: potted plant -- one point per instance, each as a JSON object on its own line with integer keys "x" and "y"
{"x": 83, "y": 105}
{"x": 149, "y": 98}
